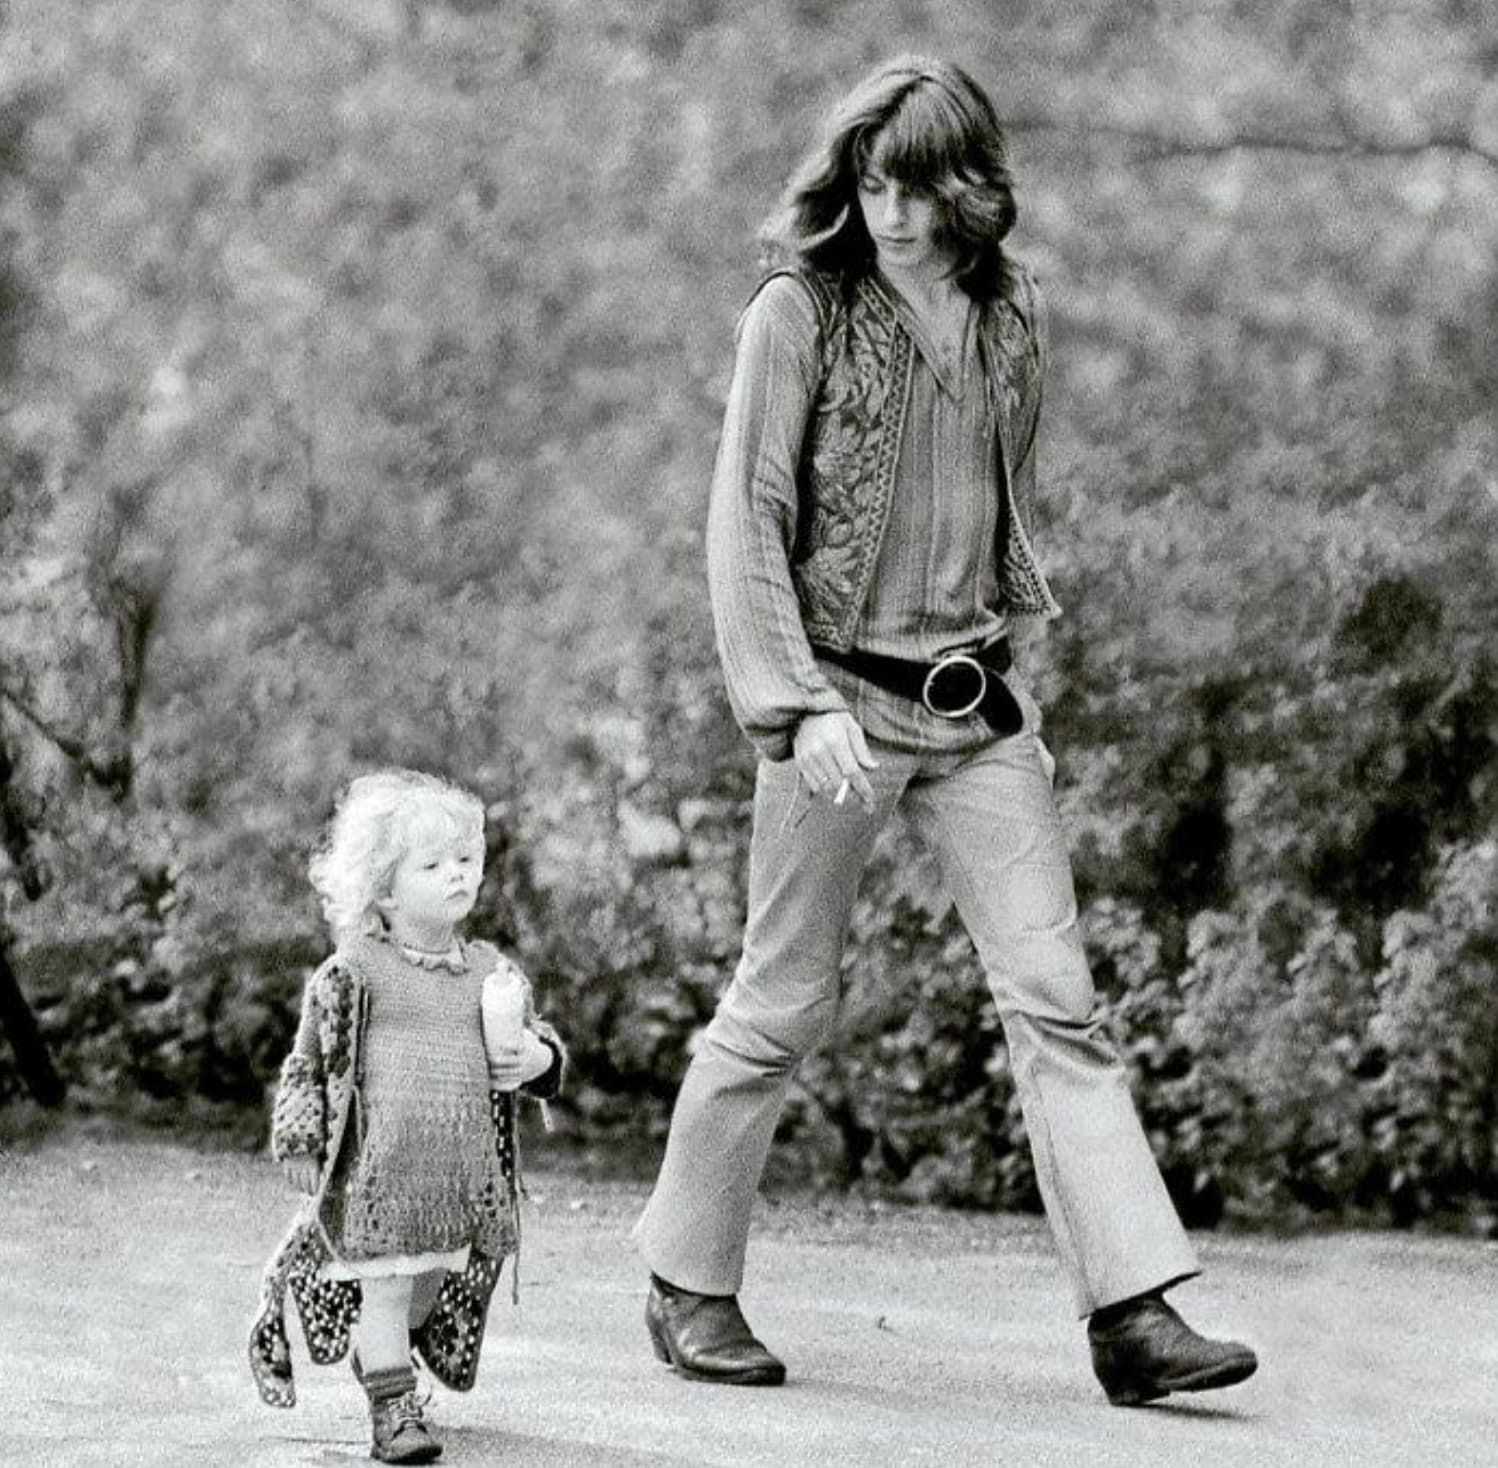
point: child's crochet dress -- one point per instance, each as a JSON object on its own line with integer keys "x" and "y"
{"x": 388, "y": 1084}
{"x": 420, "y": 1180}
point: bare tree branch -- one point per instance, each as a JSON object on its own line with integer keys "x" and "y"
{"x": 134, "y": 621}
{"x": 111, "y": 772}
{"x": 1155, "y": 146}
{"x": 17, "y": 1020}
{"x": 16, "y": 822}
{"x": 73, "y": 748}
{"x": 18, "y": 1023}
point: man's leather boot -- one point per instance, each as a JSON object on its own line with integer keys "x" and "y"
{"x": 706, "y": 1338}
{"x": 1142, "y": 1350}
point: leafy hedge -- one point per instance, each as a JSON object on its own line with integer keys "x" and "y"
{"x": 1305, "y": 1006}
{"x": 361, "y": 394}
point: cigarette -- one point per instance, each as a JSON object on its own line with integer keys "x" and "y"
{"x": 842, "y": 793}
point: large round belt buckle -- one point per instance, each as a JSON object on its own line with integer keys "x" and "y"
{"x": 955, "y": 686}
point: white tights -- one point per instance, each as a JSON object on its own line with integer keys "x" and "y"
{"x": 393, "y": 1304}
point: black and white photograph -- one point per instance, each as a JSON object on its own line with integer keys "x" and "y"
{"x": 748, "y": 735}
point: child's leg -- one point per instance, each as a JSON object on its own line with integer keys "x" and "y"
{"x": 424, "y": 1291}
{"x": 398, "y": 1430}
{"x": 383, "y": 1338}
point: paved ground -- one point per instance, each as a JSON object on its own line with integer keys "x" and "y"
{"x": 127, "y": 1270}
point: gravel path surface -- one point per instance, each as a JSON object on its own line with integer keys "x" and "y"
{"x": 128, "y": 1270}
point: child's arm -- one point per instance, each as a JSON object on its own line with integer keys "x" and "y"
{"x": 546, "y": 1060}
{"x": 536, "y": 1067}
{"x": 298, "y": 1132}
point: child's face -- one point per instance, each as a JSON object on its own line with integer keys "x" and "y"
{"x": 436, "y": 881}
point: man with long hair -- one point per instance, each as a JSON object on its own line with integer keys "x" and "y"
{"x": 868, "y": 552}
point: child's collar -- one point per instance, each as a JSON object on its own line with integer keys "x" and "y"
{"x": 454, "y": 959}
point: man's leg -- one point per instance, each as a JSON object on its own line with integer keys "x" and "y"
{"x": 993, "y": 821}
{"x": 806, "y": 858}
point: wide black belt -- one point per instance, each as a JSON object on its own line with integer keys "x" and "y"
{"x": 956, "y": 686}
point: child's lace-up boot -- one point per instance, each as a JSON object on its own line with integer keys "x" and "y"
{"x": 398, "y": 1429}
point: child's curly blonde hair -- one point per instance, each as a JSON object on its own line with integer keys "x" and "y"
{"x": 374, "y": 821}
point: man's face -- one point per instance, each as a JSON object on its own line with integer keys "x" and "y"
{"x": 901, "y": 221}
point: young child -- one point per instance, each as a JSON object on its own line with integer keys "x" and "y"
{"x": 395, "y": 1115}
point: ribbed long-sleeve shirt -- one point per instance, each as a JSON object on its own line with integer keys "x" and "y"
{"x": 935, "y": 582}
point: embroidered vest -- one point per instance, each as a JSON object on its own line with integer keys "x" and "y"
{"x": 845, "y": 482}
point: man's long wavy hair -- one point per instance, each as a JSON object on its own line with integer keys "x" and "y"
{"x": 925, "y": 124}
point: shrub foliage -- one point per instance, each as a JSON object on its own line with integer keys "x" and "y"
{"x": 363, "y": 366}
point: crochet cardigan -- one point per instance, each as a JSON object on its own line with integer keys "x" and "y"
{"x": 316, "y": 1097}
